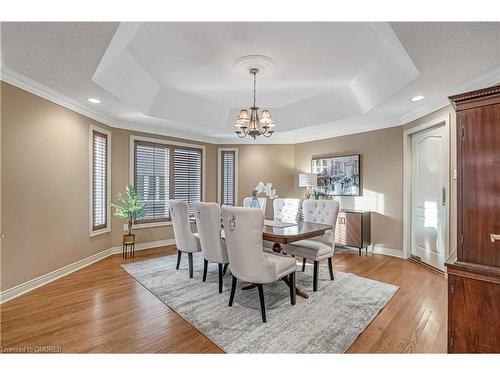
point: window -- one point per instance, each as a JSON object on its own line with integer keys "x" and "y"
{"x": 228, "y": 176}
{"x": 99, "y": 168}
{"x": 151, "y": 180}
{"x": 163, "y": 171}
{"x": 187, "y": 175}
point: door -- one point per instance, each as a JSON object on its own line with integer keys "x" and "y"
{"x": 430, "y": 196}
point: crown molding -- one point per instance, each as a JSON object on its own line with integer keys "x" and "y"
{"x": 16, "y": 79}
{"x": 27, "y": 84}
{"x": 486, "y": 80}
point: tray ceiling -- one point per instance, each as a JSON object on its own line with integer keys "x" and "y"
{"x": 323, "y": 79}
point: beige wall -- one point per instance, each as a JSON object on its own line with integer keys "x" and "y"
{"x": 382, "y": 169}
{"x": 44, "y": 221}
{"x": 381, "y": 177}
{"x": 266, "y": 163}
{"x": 45, "y": 196}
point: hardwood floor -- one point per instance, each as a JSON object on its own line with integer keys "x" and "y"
{"x": 102, "y": 309}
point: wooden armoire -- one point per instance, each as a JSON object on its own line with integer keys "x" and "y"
{"x": 474, "y": 270}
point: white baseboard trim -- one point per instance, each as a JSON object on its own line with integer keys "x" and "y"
{"x": 144, "y": 246}
{"x": 388, "y": 251}
{"x": 373, "y": 249}
{"x": 37, "y": 282}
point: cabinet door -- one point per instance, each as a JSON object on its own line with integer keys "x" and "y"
{"x": 479, "y": 158}
{"x": 353, "y": 230}
{"x": 473, "y": 315}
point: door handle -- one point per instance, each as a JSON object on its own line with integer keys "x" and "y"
{"x": 443, "y": 196}
{"x": 494, "y": 237}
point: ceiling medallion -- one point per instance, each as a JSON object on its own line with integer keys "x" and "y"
{"x": 250, "y": 125}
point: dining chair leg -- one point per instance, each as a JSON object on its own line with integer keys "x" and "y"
{"x": 330, "y": 268}
{"x": 262, "y": 304}
{"x": 293, "y": 292}
{"x": 315, "y": 275}
{"x": 205, "y": 268}
{"x": 304, "y": 264}
{"x": 179, "y": 253}
{"x": 220, "y": 277}
{"x": 225, "y": 269}
{"x": 190, "y": 257}
{"x": 233, "y": 289}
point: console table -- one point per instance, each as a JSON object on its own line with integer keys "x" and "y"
{"x": 354, "y": 229}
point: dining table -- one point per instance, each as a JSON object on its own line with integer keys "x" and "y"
{"x": 280, "y": 233}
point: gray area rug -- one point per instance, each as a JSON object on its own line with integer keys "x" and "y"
{"x": 328, "y": 322}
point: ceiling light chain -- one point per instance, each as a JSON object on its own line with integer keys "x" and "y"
{"x": 251, "y": 125}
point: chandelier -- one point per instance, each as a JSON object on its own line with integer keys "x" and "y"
{"x": 250, "y": 125}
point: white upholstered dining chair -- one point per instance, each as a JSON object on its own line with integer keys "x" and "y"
{"x": 262, "y": 203}
{"x": 213, "y": 246}
{"x": 185, "y": 240}
{"x": 321, "y": 247}
{"x": 286, "y": 209}
{"x": 249, "y": 263}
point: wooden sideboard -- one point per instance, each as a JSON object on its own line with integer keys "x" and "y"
{"x": 474, "y": 270}
{"x": 353, "y": 229}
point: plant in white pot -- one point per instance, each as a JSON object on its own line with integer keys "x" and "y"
{"x": 130, "y": 209}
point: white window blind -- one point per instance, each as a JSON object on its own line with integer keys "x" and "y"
{"x": 99, "y": 180}
{"x": 227, "y": 182}
{"x": 187, "y": 175}
{"x": 163, "y": 172}
{"x": 151, "y": 180}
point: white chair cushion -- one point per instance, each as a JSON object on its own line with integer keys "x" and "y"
{"x": 310, "y": 249}
{"x": 283, "y": 265}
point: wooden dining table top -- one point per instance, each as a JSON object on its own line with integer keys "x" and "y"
{"x": 296, "y": 232}
{"x": 299, "y": 231}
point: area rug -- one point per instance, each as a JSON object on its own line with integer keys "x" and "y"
{"x": 328, "y": 322}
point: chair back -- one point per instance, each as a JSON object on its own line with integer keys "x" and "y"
{"x": 243, "y": 229}
{"x": 262, "y": 203}
{"x": 322, "y": 212}
{"x": 184, "y": 238}
{"x": 286, "y": 209}
{"x": 208, "y": 221}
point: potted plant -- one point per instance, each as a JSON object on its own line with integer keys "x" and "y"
{"x": 131, "y": 209}
{"x": 316, "y": 194}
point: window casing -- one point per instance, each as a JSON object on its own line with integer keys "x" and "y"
{"x": 162, "y": 171}
{"x": 100, "y": 180}
{"x": 228, "y": 176}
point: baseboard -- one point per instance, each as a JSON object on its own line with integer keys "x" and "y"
{"x": 374, "y": 249}
{"x": 388, "y": 251}
{"x": 39, "y": 281}
{"x": 145, "y": 245}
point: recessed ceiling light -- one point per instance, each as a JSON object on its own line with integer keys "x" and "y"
{"x": 94, "y": 100}
{"x": 417, "y": 98}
